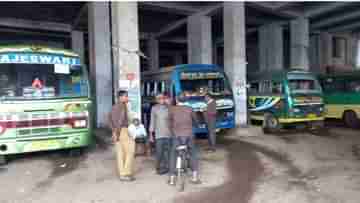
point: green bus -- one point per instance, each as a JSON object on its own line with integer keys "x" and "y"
{"x": 44, "y": 100}
{"x": 281, "y": 98}
{"x": 342, "y": 96}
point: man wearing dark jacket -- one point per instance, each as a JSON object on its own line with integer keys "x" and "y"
{"x": 181, "y": 121}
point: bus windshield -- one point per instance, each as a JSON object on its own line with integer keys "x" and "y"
{"x": 304, "y": 85}
{"x": 42, "y": 81}
{"x": 200, "y": 83}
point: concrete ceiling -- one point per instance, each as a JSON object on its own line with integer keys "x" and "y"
{"x": 168, "y": 19}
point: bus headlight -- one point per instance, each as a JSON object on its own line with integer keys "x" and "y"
{"x": 2, "y": 129}
{"x": 79, "y": 124}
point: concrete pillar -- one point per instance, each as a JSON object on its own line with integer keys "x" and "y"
{"x": 126, "y": 44}
{"x": 314, "y": 53}
{"x": 235, "y": 56}
{"x": 350, "y": 51}
{"x": 178, "y": 58}
{"x": 325, "y": 53}
{"x": 153, "y": 53}
{"x": 271, "y": 47}
{"x": 356, "y": 51}
{"x": 299, "y": 44}
{"x": 77, "y": 44}
{"x": 100, "y": 59}
{"x": 199, "y": 39}
{"x": 215, "y": 54}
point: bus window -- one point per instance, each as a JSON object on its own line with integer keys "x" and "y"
{"x": 155, "y": 89}
{"x": 297, "y": 85}
{"x": 352, "y": 86}
{"x": 160, "y": 87}
{"x": 37, "y": 81}
{"x": 148, "y": 89}
{"x": 276, "y": 88}
{"x": 167, "y": 87}
{"x": 266, "y": 87}
{"x": 332, "y": 86}
{"x": 254, "y": 87}
{"x": 142, "y": 89}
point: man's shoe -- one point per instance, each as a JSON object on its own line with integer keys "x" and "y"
{"x": 171, "y": 180}
{"x": 211, "y": 150}
{"x": 123, "y": 178}
{"x": 128, "y": 178}
{"x": 131, "y": 178}
{"x": 195, "y": 178}
{"x": 162, "y": 171}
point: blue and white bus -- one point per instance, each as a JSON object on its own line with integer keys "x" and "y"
{"x": 193, "y": 81}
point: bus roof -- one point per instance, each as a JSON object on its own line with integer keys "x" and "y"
{"x": 354, "y": 73}
{"x": 198, "y": 67}
{"x": 275, "y": 74}
{"x": 36, "y": 49}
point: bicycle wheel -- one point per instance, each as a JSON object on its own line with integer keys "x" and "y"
{"x": 181, "y": 177}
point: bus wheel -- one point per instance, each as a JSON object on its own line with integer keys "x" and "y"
{"x": 351, "y": 119}
{"x": 75, "y": 152}
{"x": 3, "y": 160}
{"x": 270, "y": 124}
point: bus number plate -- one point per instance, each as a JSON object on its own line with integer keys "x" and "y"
{"x": 311, "y": 115}
{"x": 42, "y": 145}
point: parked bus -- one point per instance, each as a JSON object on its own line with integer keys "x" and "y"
{"x": 342, "y": 96}
{"x": 281, "y": 98}
{"x": 44, "y": 100}
{"x": 193, "y": 81}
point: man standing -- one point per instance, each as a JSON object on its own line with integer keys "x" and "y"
{"x": 210, "y": 118}
{"x": 125, "y": 145}
{"x": 181, "y": 122}
{"x": 159, "y": 124}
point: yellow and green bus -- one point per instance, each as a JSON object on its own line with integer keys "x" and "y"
{"x": 44, "y": 100}
{"x": 281, "y": 98}
{"x": 342, "y": 96}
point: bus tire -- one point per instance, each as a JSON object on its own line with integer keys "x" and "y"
{"x": 3, "y": 160}
{"x": 351, "y": 120}
{"x": 271, "y": 124}
{"x": 75, "y": 152}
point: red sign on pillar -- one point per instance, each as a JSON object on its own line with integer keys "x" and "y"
{"x": 130, "y": 76}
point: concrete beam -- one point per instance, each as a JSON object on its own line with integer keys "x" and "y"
{"x": 165, "y": 30}
{"x": 274, "y": 11}
{"x": 336, "y": 19}
{"x": 174, "y": 40}
{"x": 250, "y": 31}
{"x": 169, "y": 7}
{"x": 36, "y": 25}
{"x": 81, "y": 14}
{"x": 312, "y": 13}
{"x": 207, "y": 11}
{"x": 346, "y": 27}
{"x": 37, "y": 33}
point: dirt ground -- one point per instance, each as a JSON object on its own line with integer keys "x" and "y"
{"x": 249, "y": 167}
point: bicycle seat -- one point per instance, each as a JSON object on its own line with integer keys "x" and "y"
{"x": 181, "y": 147}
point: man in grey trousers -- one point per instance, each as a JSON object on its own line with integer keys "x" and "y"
{"x": 210, "y": 118}
{"x": 159, "y": 126}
